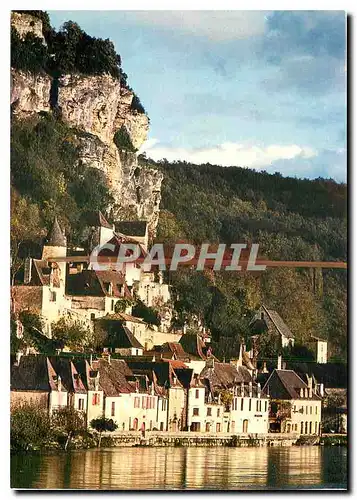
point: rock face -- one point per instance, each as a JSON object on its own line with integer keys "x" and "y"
{"x": 97, "y": 107}
{"x": 24, "y": 23}
{"x": 30, "y": 93}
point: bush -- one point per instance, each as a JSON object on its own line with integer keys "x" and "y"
{"x": 136, "y": 105}
{"x": 148, "y": 314}
{"x": 30, "y": 427}
{"x": 122, "y": 140}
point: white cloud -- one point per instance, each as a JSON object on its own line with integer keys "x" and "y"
{"x": 229, "y": 154}
{"x": 216, "y": 25}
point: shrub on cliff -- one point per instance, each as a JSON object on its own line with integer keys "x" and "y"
{"x": 122, "y": 140}
{"x": 29, "y": 54}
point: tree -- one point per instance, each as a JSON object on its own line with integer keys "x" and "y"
{"x": 69, "y": 421}
{"x": 30, "y": 427}
{"x": 72, "y": 334}
{"x": 103, "y": 424}
{"x": 25, "y": 226}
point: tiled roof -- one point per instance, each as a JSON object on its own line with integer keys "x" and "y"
{"x": 131, "y": 228}
{"x": 125, "y": 338}
{"x": 43, "y": 273}
{"x": 55, "y": 237}
{"x": 225, "y": 375}
{"x": 123, "y": 317}
{"x": 114, "y": 376}
{"x": 286, "y": 384}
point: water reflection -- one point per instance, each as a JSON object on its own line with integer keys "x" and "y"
{"x": 183, "y": 468}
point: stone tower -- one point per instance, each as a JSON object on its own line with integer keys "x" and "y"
{"x": 56, "y": 246}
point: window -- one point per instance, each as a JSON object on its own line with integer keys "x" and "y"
{"x": 96, "y": 399}
{"x": 52, "y": 296}
{"x": 161, "y": 426}
{"x": 196, "y": 412}
{"x": 197, "y": 394}
{"x": 302, "y": 428}
{"x": 310, "y": 428}
{"x": 266, "y": 405}
{"x": 310, "y": 410}
{"x": 218, "y": 427}
{"x": 92, "y": 317}
{"x": 315, "y": 410}
{"x": 209, "y": 412}
{"x": 218, "y": 412}
{"x": 306, "y": 427}
{"x": 112, "y": 306}
{"x": 250, "y": 405}
{"x": 242, "y": 404}
{"x": 80, "y": 404}
{"x": 136, "y": 402}
{"x": 257, "y": 405}
{"x": 307, "y": 410}
{"x": 294, "y": 408}
{"x": 113, "y": 409}
{"x": 302, "y": 410}
{"x": 295, "y": 427}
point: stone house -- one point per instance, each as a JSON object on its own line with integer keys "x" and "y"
{"x": 269, "y": 322}
{"x": 89, "y": 375}
{"x": 33, "y": 379}
{"x": 72, "y": 382}
{"x": 294, "y": 405}
{"x": 246, "y": 407}
{"x": 319, "y": 347}
{"x": 44, "y": 289}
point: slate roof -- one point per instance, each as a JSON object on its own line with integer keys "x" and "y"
{"x": 126, "y": 339}
{"x": 69, "y": 375}
{"x": 272, "y": 318}
{"x": 94, "y": 283}
{"x": 96, "y": 219}
{"x": 194, "y": 346}
{"x": 286, "y": 384}
{"x": 131, "y": 228}
{"x": 114, "y": 377}
{"x": 87, "y": 373}
{"x": 55, "y": 237}
{"x": 34, "y": 373}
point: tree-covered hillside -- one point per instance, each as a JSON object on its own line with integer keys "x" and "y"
{"x": 291, "y": 219}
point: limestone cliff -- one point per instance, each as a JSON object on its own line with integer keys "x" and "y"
{"x": 96, "y": 107}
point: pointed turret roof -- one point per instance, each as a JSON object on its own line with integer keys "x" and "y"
{"x": 55, "y": 237}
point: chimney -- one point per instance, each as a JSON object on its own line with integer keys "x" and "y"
{"x": 91, "y": 360}
{"x": 242, "y": 389}
{"x": 250, "y": 389}
{"x": 259, "y": 389}
{"x": 265, "y": 370}
{"x": 27, "y": 270}
{"x": 96, "y": 382}
{"x": 18, "y": 357}
{"x": 240, "y": 357}
{"x": 59, "y": 383}
{"x": 321, "y": 390}
{"x": 109, "y": 358}
{"x": 309, "y": 384}
{"x": 280, "y": 358}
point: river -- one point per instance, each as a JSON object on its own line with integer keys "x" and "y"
{"x": 183, "y": 469}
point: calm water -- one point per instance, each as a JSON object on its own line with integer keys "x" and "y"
{"x": 184, "y": 468}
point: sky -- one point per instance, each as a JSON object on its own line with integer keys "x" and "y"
{"x": 256, "y": 89}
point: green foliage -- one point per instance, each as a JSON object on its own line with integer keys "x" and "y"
{"x": 291, "y": 219}
{"x": 49, "y": 179}
{"x": 122, "y": 140}
{"x": 103, "y": 424}
{"x": 29, "y": 54}
{"x": 70, "y": 334}
{"x": 30, "y": 427}
{"x": 121, "y": 305}
{"x": 136, "y": 105}
{"x": 148, "y": 314}
{"x": 69, "y": 421}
